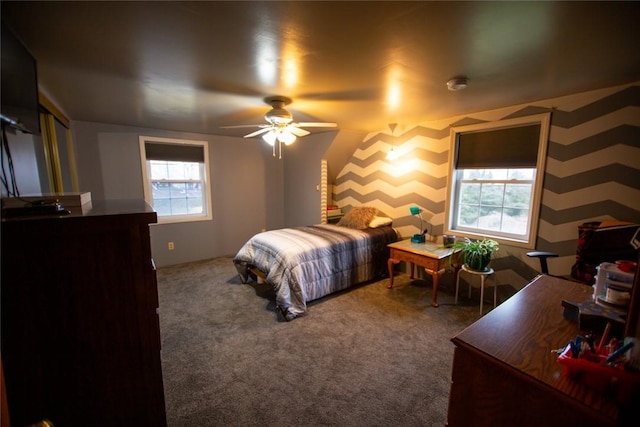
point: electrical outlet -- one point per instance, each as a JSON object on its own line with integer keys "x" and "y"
{"x": 171, "y": 246}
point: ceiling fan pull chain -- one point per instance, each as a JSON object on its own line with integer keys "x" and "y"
{"x": 279, "y": 149}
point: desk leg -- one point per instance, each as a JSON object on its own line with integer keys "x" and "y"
{"x": 390, "y": 265}
{"x": 435, "y": 275}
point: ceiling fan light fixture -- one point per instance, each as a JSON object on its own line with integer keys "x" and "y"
{"x": 270, "y": 137}
{"x": 287, "y": 137}
{"x": 457, "y": 83}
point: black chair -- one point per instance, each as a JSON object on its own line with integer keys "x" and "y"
{"x": 542, "y": 256}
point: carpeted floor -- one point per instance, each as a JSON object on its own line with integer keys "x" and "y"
{"x": 369, "y": 356}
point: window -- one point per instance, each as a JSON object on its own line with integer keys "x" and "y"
{"x": 175, "y": 174}
{"x": 495, "y": 184}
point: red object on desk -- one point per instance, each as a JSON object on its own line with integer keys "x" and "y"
{"x": 613, "y": 380}
{"x": 626, "y": 266}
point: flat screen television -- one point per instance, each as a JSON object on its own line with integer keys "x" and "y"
{"x": 19, "y": 87}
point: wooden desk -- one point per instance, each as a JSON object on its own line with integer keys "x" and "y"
{"x": 504, "y": 372}
{"x": 433, "y": 257}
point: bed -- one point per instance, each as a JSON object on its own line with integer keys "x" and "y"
{"x": 303, "y": 264}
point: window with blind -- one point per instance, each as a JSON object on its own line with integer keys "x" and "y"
{"x": 175, "y": 174}
{"x": 495, "y": 180}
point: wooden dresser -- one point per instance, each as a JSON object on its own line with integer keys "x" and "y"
{"x": 505, "y": 374}
{"x": 80, "y": 330}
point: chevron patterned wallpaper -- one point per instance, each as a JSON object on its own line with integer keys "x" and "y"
{"x": 592, "y": 169}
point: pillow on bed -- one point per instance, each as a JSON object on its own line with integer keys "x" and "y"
{"x": 379, "y": 221}
{"x": 358, "y": 217}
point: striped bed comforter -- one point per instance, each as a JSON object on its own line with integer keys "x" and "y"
{"x": 306, "y": 263}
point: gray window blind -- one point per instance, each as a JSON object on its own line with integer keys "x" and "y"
{"x": 174, "y": 152}
{"x": 515, "y": 147}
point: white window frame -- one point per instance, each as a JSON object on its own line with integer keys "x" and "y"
{"x": 529, "y": 240}
{"x": 206, "y": 188}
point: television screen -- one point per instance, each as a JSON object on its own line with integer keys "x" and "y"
{"x": 19, "y": 89}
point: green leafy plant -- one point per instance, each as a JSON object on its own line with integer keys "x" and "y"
{"x": 476, "y": 254}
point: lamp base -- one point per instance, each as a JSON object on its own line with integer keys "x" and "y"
{"x": 418, "y": 238}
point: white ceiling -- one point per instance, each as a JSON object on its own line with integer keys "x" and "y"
{"x": 197, "y": 66}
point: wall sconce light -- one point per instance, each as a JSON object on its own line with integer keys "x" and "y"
{"x": 392, "y": 154}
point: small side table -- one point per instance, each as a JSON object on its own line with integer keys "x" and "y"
{"x": 431, "y": 256}
{"x": 483, "y": 275}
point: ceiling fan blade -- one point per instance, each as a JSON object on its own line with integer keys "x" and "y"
{"x": 297, "y": 131}
{"x": 258, "y": 132}
{"x": 317, "y": 125}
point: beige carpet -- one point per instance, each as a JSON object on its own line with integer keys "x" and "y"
{"x": 369, "y": 356}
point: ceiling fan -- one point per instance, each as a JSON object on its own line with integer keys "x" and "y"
{"x": 280, "y": 126}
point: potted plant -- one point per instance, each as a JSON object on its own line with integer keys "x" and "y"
{"x": 476, "y": 254}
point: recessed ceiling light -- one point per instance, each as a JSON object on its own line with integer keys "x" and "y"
{"x": 457, "y": 83}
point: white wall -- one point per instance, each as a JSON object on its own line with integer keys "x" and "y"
{"x": 302, "y": 197}
{"x": 246, "y": 186}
